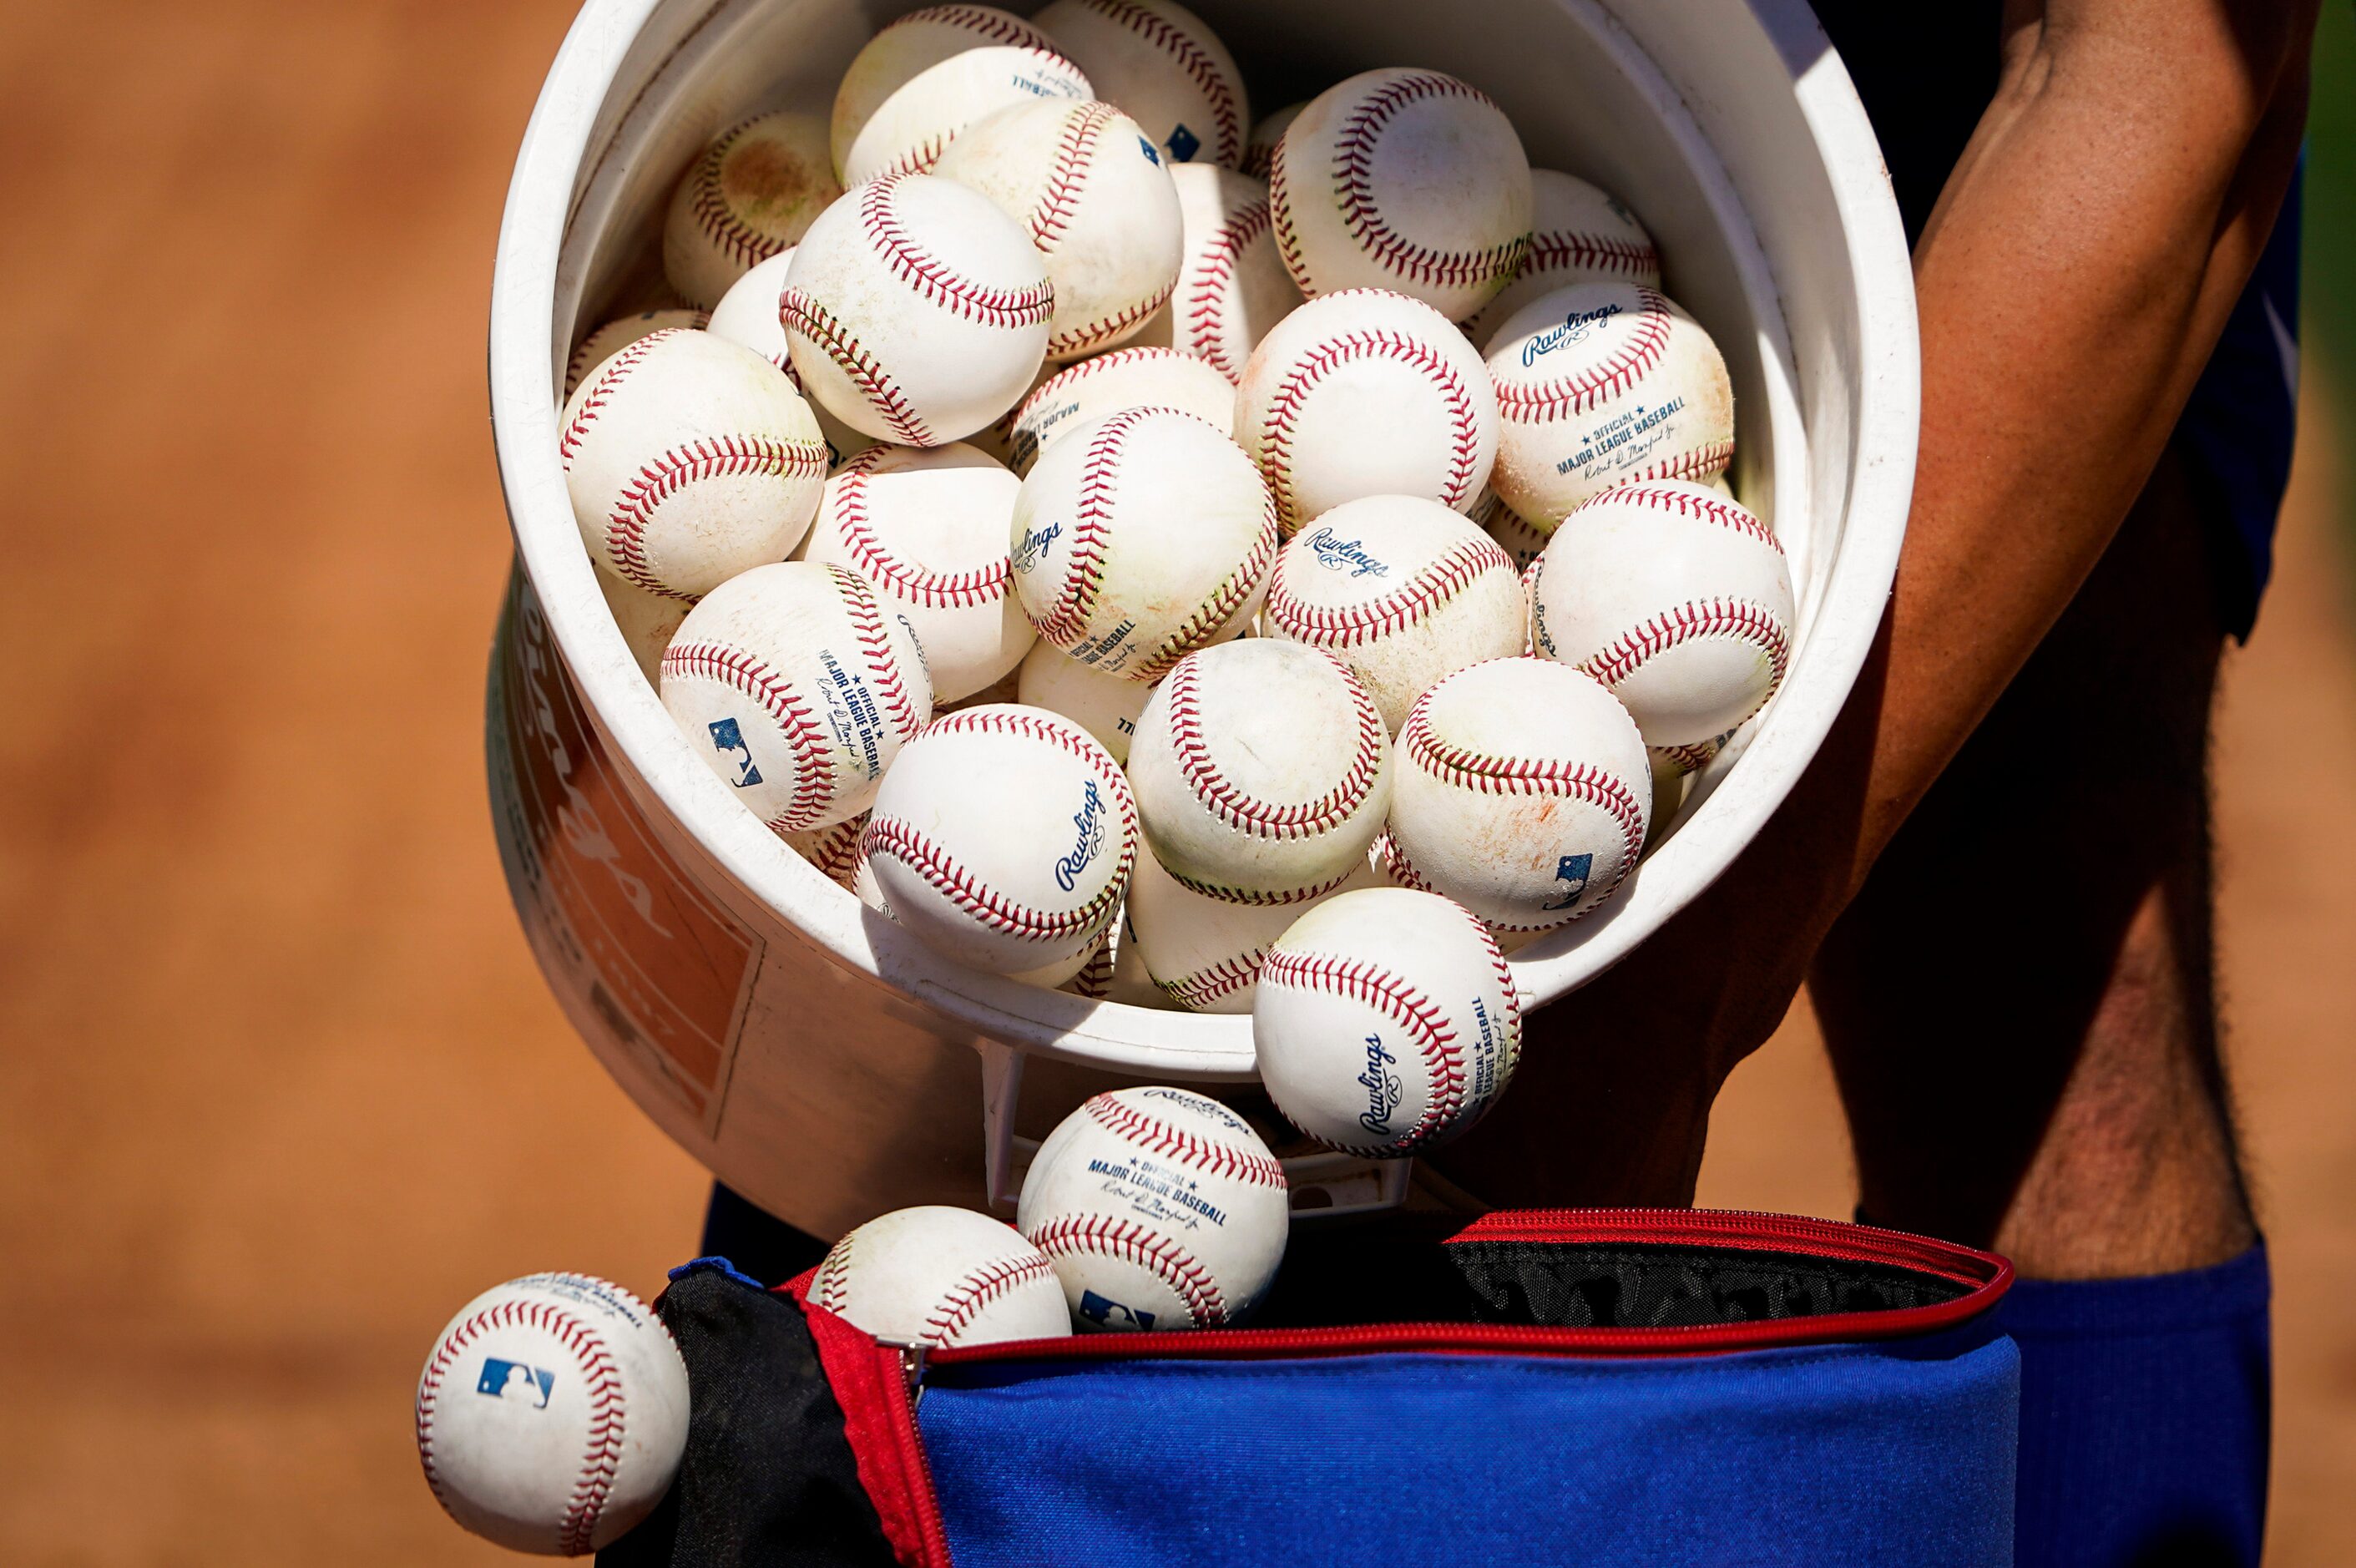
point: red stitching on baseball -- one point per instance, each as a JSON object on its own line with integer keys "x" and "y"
{"x": 980, "y": 902}
{"x": 966, "y": 1300}
{"x": 835, "y": 850}
{"x": 1195, "y": 60}
{"x": 1404, "y": 1006}
{"x": 580, "y": 364}
{"x": 933, "y": 279}
{"x": 667, "y": 473}
{"x": 1066, "y": 621}
{"x": 1690, "y": 758}
{"x": 1064, "y": 737}
{"x": 798, "y": 312}
{"x": 847, "y": 495}
{"x": 831, "y": 1288}
{"x": 804, "y": 736}
{"x": 866, "y": 614}
{"x": 1487, "y": 774}
{"x": 1696, "y": 465}
{"x": 1204, "y": 311}
{"x": 1026, "y": 442}
{"x": 1265, "y": 819}
{"x": 1198, "y": 991}
{"x": 593, "y": 402}
{"x": 1353, "y": 155}
{"x": 1215, "y": 611}
{"x": 1737, "y": 619}
{"x": 1076, "y": 147}
{"x": 1152, "y": 1132}
{"x": 1685, "y": 503}
{"x": 1071, "y": 1233}
{"x": 1095, "y": 979}
{"x": 1347, "y": 626}
{"x": 1583, "y": 391}
{"x": 1108, "y": 328}
{"x": 1256, "y": 897}
{"x": 1568, "y": 248}
{"x": 1279, "y": 207}
{"x": 986, "y": 20}
{"x": 1292, "y": 394}
{"x": 746, "y": 246}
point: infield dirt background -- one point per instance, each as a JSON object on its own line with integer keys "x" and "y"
{"x": 281, "y": 1087}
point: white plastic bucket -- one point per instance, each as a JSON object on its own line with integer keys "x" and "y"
{"x": 811, "y": 1054}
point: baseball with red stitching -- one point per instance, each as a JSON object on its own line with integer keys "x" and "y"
{"x": 748, "y": 196}
{"x": 1105, "y": 705}
{"x": 551, "y": 1414}
{"x": 926, "y": 528}
{"x": 1090, "y": 190}
{"x": 1602, "y": 384}
{"x": 1003, "y": 837}
{"x": 798, "y": 690}
{"x": 619, "y": 334}
{"x": 1385, "y": 1021}
{"x": 1366, "y": 393}
{"x": 916, "y": 311}
{"x": 748, "y": 313}
{"x": 833, "y": 848}
{"x": 1524, "y": 793}
{"x": 1402, "y": 180}
{"x": 646, "y": 620}
{"x": 936, "y": 1275}
{"x": 1580, "y": 233}
{"x": 1520, "y": 542}
{"x": 1259, "y": 152}
{"x": 1204, "y": 953}
{"x": 916, "y": 85}
{"x": 1132, "y": 377}
{"x": 1140, "y": 537}
{"x": 688, "y": 460}
{"x": 1232, "y": 286}
{"x": 1262, "y": 771}
{"x": 1163, "y": 67}
{"x": 1402, "y": 590}
{"x": 1676, "y": 598}
{"x": 1160, "y": 1208}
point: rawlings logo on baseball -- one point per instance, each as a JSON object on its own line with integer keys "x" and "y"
{"x": 1032, "y": 548}
{"x": 1382, "y": 1087}
{"x": 1089, "y": 819}
{"x": 1338, "y": 554}
{"x": 1576, "y": 328}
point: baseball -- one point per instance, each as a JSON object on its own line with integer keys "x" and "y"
{"x": 833, "y": 850}
{"x": 1514, "y": 535}
{"x": 1602, "y": 384}
{"x": 926, "y": 528}
{"x": 689, "y": 460}
{"x": 1580, "y": 234}
{"x": 1402, "y": 590}
{"x": 1386, "y": 1022}
{"x": 1126, "y": 378}
{"x": 1407, "y": 181}
{"x": 916, "y": 310}
{"x": 1523, "y": 793}
{"x": 1003, "y": 836}
{"x": 1090, "y": 191}
{"x": 1262, "y": 771}
{"x": 619, "y": 334}
{"x": 1139, "y": 538}
{"x": 1674, "y": 597}
{"x": 936, "y": 1275}
{"x": 552, "y": 1416}
{"x": 1105, "y": 705}
{"x": 646, "y": 620}
{"x": 1366, "y": 393}
{"x": 1160, "y": 1208}
{"x": 1259, "y": 153}
{"x": 1158, "y": 62}
{"x": 796, "y": 689}
{"x": 924, "y": 78}
{"x": 750, "y": 195}
{"x": 748, "y": 313}
{"x": 1232, "y": 286}
{"x": 1204, "y": 953}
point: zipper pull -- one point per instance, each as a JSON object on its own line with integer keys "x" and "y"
{"x": 911, "y": 1366}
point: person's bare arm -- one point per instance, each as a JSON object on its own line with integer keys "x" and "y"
{"x": 2072, "y": 283}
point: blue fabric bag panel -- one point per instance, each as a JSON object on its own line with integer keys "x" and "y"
{"x": 1889, "y": 1452}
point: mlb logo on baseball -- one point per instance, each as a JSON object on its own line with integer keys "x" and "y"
{"x": 514, "y": 1381}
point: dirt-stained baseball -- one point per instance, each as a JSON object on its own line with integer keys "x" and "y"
{"x": 936, "y": 1275}
{"x": 922, "y": 80}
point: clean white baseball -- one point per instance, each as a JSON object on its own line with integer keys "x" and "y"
{"x": 646, "y": 620}
{"x": 833, "y": 848}
{"x": 748, "y": 196}
{"x": 1105, "y": 705}
{"x": 689, "y": 460}
{"x": 1402, "y": 590}
{"x": 921, "y": 80}
{"x": 1262, "y": 771}
{"x": 619, "y": 334}
{"x": 1402, "y": 180}
{"x": 748, "y": 313}
{"x": 1085, "y": 183}
{"x": 926, "y": 528}
{"x": 1081, "y": 395}
{"x": 936, "y": 1275}
{"x": 1580, "y": 233}
{"x": 1524, "y": 793}
{"x": 1232, "y": 286}
{"x": 1003, "y": 836}
{"x": 1161, "y": 66}
{"x": 1676, "y": 598}
{"x": 1367, "y": 392}
{"x": 1204, "y": 953}
{"x": 1602, "y": 384}
{"x": 796, "y": 689}
{"x": 916, "y": 310}
{"x": 552, "y": 1416}
{"x": 1160, "y": 1208}
{"x": 1140, "y": 537}
{"x": 1259, "y": 153}
{"x": 1385, "y": 1021}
